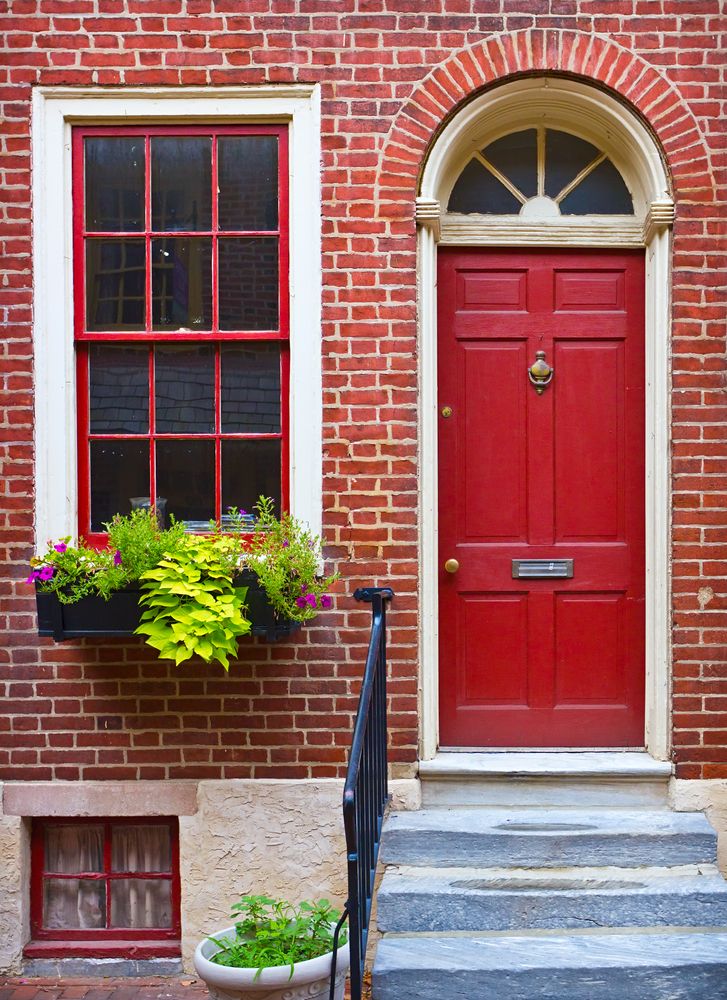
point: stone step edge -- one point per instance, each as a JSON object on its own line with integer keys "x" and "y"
{"x": 593, "y": 766}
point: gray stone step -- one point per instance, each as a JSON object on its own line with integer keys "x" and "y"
{"x": 586, "y": 966}
{"x": 626, "y": 779}
{"x": 470, "y": 899}
{"x": 547, "y": 838}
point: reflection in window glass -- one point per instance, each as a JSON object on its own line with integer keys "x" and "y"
{"x": 74, "y": 903}
{"x": 119, "y": 389}
{"x": 185, "y": 389}
{"x": 182, "y": 283}
{"x": 115, "y": 292}
{"x": 516, "y": 157}
{"x": 251, "y": 389}
{"x": 602, "y": 192}
{"x": 181, "y": 183}
{"x": 248, "y": 182}
{"x": 565, "y": 156}
{"x": 114, "y": 178}
{"x": 119, "y": 471}
{"x": 139, "y": 902}
{"x": 248, "y": 283}
{"x": 477, "y": 190}
{"x": 250, "y": 468}
{"x": 186, "y": 480}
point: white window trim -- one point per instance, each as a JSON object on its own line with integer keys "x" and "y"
{"x": 55, "y": 110}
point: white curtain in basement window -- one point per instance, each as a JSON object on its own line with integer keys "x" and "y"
{"x": 74, "y": 903}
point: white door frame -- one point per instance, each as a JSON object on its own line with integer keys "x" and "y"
{"x": 603, "y": 120}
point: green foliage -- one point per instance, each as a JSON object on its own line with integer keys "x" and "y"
{"x": 141, "y": 542}
{"x": 271, "y": 932}
{"x": 286, "y": 557}
{"x": 192, "y": 605}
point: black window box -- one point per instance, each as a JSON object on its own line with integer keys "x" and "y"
{"x": 93, "y": 617}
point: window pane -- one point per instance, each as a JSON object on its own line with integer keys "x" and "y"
{"x": 181, "y": 183}
{"x": 137, "y": 902}
{"x": 251, "y": 389}
{"x": 119, "y": 390}
{"x": 248, "y": 284}
{"x": 602, "y": 192}
{"x": 249, "y": 469}
{"x": 248, "y": 182}
{"x": 477, "y": 190}
{"x": 565, "y": 156}
{"x": 182, "y": 284}
{"x": 119, "y": 471}
{"x": 115, "y": 293}
{"x": 185, "y": 389}
{"x": 186, "y": 479}
{"x": 141, "y": 848}
{"x": 70, "y": 903}
{"x": 73, "y": 849}
{"x": 516, "y": 157}
{"x": 114, "y": 169}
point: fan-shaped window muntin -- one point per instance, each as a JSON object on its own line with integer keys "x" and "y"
{"x": 540, "y": 173}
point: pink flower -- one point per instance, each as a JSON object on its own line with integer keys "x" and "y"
{"x": 33, "y": 576}
{"x": 60, "y": 547}
{"x": 46, "y": 573}
{"x": 117, "y": 558}
{"x": 311, "y": 599}
{"x": 301, "y": 602}
{"x": 326, "y": 601}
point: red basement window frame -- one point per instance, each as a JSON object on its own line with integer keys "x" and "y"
{"x": 105, "y": 886}
{"x": 181, "y": 319}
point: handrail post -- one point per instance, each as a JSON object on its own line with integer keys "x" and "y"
{"x": 365, "y": 792}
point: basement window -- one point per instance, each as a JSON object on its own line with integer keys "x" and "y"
{"x": 105, "y": 887}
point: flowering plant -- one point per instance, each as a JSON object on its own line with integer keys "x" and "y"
{"x": 286, "y": 558}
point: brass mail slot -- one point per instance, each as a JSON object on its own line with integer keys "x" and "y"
{"x": 542, "y": 569}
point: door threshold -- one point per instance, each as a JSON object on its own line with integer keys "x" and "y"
{"x": 595, "y": 764}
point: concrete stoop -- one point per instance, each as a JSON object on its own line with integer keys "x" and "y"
{"x": 559, "y": 904}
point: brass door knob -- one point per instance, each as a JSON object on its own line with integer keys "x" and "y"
{"x": 451, "y": 566}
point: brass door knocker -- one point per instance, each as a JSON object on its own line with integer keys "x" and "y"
{"x": 540, "y": 373}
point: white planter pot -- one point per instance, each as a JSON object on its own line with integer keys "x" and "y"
{"x": 310, "y": 980}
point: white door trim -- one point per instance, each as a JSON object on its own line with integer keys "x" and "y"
{"x": 563, "y": 103}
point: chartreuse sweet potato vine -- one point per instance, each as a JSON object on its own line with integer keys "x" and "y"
{"x": 192, "y": 606}
{"x": 271, "y": 932}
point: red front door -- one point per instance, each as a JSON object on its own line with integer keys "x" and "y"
{"x": 529, "y": 482}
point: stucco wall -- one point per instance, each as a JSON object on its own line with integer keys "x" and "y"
{"x": 707, "y": 796}
{"x": 14, "y": 865}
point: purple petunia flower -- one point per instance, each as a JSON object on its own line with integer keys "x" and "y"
{"x": 301, "y": 602}
{"x": 311, "y": 599}
{"x": 117, "y": 558}
{"x": 286, "y": 543}
{"x": 60, "y": 547}
{"x": 326, "y": 601}
{"x": 33, "y": 576}
{"x": 46, "y": 573}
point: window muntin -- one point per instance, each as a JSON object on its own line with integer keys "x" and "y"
{"x": 105, "y": 879}
{"x": 181, "y": 319}
{"x": 540, "y": 172}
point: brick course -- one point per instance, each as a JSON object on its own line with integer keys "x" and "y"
{"x": 391, "y": 71}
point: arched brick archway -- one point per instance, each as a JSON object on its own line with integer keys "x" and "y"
{"x": 593, "y": 57}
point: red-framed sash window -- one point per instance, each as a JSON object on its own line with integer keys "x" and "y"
{"x": 105, "y": 881}
{"x": 181, "y": 323}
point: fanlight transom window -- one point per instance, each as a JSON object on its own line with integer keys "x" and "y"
{"x": 540, "y": 173}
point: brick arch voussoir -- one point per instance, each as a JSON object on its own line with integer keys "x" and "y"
{"x": 468, "y": 71}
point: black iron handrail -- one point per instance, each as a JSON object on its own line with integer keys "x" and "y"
{"x": 366, "y": 791}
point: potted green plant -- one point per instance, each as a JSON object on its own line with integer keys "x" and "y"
{"x": 274, "y": 951}
{"x": 188, "y": 594}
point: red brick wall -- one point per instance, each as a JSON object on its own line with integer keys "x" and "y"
{"x": 390, "y": 71}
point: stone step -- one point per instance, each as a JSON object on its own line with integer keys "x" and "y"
{"x": 471, "y": 899}
{"x": 626, "y": 779}
{"x": 605, "y": 965}
{"x": 547, "y": 838}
